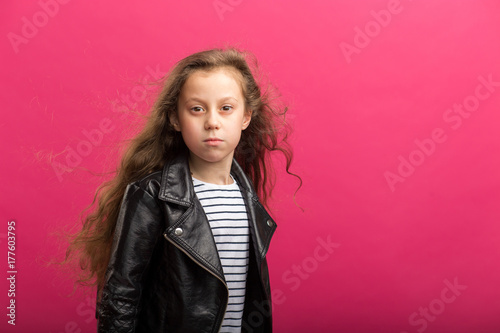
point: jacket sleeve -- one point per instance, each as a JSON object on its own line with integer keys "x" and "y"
{"x": 137, "y": 231}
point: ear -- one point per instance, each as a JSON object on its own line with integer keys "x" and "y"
{"x": 246, "y": 119}
{"x": 174, "y": 121}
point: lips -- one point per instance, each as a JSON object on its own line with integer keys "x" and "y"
{"x": 213, "y": 141}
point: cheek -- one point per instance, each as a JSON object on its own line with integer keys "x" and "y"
{"x": 188, "y": 125}
{"x": 190, "y": 132}
{"x": 236, "y": 134}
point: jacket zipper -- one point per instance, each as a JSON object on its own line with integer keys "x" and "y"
{"x": 196, "y": 261}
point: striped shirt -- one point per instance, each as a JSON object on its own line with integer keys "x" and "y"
{"x": 227, "y": 215}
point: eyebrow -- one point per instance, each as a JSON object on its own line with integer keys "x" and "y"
{"x": 195, "y": 99}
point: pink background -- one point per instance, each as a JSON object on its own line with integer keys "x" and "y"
{"x": 369, "y": 83}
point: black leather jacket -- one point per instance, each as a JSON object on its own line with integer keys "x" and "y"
{"x": 164, "y": 273}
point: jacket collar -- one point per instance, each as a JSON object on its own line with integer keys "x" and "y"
{"x": 177, "y": 187}
{"x": 177, "y": 183}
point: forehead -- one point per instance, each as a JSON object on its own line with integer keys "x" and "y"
{"x": 213, "y": 82}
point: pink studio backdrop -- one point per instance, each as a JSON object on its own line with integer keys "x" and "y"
{"x": 395, "y": 107}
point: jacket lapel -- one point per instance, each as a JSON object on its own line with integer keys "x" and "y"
{"x": 188, "y": 227}
{"x": 262, "y": 226}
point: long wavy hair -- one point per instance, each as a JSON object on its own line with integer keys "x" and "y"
{"x": 159, "y": 142}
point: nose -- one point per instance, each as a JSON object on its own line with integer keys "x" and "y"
{"x": 212, "y": 120}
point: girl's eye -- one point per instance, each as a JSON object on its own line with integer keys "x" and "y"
{"x": 227, "y": 107}
{"x": 196, "y": 109}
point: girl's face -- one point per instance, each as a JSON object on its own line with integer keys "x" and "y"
{"x": 211, "y": 115}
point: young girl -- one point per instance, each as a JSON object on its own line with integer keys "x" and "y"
{"x": 178, "y": 241}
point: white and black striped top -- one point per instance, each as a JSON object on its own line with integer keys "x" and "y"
{"x": 227, "y": 215}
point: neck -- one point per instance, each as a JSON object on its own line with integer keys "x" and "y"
{"x": 208, "y": 172}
